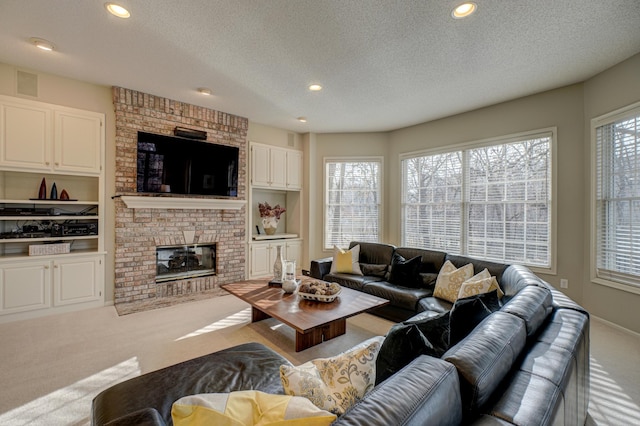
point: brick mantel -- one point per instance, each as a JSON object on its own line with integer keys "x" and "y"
{"x": 144, "y": 224}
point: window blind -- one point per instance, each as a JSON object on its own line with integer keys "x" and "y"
{"x": 491, "y": 202}
{"x": 352, "y": 202}
{"x": 618, "y": 199}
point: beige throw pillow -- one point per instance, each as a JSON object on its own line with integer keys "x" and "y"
{"x": 346, "y": 261}
{"x": 335, "y": 384}
{"x": 450, "y": 280}
{"x": 482, "y": 282}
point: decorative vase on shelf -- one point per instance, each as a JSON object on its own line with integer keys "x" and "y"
{"x": 42, "y": 193}
{"x": 277, "y": 265}
{"x": 54, "y": 192}
{"x": 270, "y": 224}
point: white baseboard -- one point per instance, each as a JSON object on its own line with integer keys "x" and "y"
{"x": 616, "y": 326}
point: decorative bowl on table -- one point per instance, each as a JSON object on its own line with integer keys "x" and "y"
{"x": 319, "y": 291}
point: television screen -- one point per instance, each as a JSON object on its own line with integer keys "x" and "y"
{"x": 174, "y": 165}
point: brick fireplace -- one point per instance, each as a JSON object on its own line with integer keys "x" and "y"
{"x": 140, "y": 230}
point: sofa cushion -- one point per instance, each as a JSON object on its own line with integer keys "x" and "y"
{"x": 433, "y": 304}
{"x": 346, "y": 261}
{"x": 485, "y": 357}
{"x": 425, "y": 392}
{"x": 402, "y": 297}
{"x": 468, "y": 312}
{"x": 248, "y": 408}
{"x": 355, "y": 282}
{"x": 335, "y": 384}
{"x": 405, "y": 272}
{"x": 450, "y": 279}
{"x": 373, "y": 269}
{"x": 405, "y": 341}
{"x": 533, "y": 305}
{"x": 374, "y": 253}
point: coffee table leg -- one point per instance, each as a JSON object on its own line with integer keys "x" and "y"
{"x": 334, "y": 329}
{"x": 318, "y": 335}
{"x": 258, "y": 315}
{"x": 306, "y": 340}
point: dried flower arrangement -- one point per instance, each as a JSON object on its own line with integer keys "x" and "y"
{"x": 267, "y": 211}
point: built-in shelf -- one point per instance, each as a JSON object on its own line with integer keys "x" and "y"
{"x": 138, "y": 202}
{"x": 262, "y": 237}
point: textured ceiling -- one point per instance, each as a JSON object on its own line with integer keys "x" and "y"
{"x": 383, "y": 64}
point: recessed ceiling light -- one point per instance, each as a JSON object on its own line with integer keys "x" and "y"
{"x": 315, "y": 87}
{"x": 464, "y": 10}
{"x": 42, "y": 44}
{"x": 117, "y": 10}
{"x": 204, "y": 91}
{"x": 302, "y": 119}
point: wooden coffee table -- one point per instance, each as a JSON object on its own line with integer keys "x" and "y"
{"x": 314, "y": 322}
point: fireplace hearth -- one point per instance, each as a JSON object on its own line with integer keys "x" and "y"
{"x": 183, "y": 261}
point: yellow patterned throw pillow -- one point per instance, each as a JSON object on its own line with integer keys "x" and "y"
{"x": 335, "y": 384}
{"x": 247, "y": 408}
{"x": 346, "y": 261}
{"x": 482, "y": 282}
{"x": 450, "y": 280}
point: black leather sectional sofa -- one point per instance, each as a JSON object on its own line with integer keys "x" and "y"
{"x": 525, "y": 364}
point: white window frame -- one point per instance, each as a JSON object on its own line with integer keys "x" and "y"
{"x": 628, "y": 283}
{"x": 516, "y": 137}
{"x": 328, "y": 160}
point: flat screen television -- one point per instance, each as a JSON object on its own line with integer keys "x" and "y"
{"x": 175, "y": 165}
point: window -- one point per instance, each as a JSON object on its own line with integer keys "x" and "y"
{"x": 352, "y": 201}
{"x": 491, "y": 200}
{"x": 617, "y": 196}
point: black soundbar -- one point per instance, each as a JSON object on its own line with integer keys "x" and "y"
{"x": 190, "y": 133}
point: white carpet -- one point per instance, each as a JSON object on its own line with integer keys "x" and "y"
{"x": 53, "y": 367}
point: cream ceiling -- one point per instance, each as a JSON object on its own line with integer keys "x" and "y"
{"x": 383, "y": 64}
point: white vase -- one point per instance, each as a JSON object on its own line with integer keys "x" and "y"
{"x": 289, "y": 286}
{"x": 270, "y": 224}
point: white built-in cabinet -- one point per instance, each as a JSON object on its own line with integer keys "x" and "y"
{"x": 275, "y": 168}
{"x": 65, "y": 146}
{"x": 276, "y": 177}
{"x": 263, "y": 255}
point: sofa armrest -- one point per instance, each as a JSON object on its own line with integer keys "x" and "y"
{"x": 427, "y": 391}
{"x": 321, "y": 267}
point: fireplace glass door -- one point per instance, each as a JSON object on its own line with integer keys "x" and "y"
{"x": 185, "y": 261}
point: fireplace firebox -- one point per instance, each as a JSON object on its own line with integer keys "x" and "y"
{"x": 185, "y": 261}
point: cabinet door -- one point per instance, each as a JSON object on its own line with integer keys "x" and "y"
{"x": 278, "y": 166}
{"x": 78, "y": 141}
{"x": 25, "y": 287}
{"x": 25, "y": 136}
{"x": 260, "y": 165}
{"x": 261, "y": 260}
{"x": 294, "y": 252}
{"x": 76, "y": 280}
{"x": 294, "y": 170}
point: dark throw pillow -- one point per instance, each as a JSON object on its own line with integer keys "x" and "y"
{"x": 467, "y": 313}
{"x": 436, "y": 331}
{"x": 404, "y": 272}
{"x": 407, "y": 340}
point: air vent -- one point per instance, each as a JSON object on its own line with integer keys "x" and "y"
{"x": 27, "y": 84}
